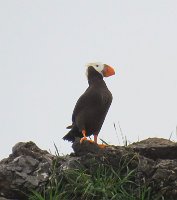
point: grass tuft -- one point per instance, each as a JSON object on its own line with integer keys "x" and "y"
{"x": 104, "y": 183}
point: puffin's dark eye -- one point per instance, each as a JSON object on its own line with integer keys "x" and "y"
{"x": 97, "y": 65}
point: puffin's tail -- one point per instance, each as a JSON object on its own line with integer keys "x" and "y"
{"x": 72, "y": 134}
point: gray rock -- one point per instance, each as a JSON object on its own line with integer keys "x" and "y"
{"x": 2, "y": 198}
{"x": 26, "y": 169}
{"x": 156, "y": 148}
{"x": 30, "y": 168}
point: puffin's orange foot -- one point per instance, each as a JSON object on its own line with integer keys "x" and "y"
{"x": 102, "y": 146}
{"x": 82, "y": 139}
{"x": 91, "y": 141}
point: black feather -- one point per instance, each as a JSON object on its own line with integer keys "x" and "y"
{"x": 91, "y": 108}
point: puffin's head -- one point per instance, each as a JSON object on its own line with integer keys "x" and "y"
{"x": 104, "y": 69}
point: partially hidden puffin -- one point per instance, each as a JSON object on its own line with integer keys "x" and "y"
{"x": 91, "y": 108}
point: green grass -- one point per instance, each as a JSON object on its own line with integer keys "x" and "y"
{"x": 104, "y": 183}
{"x": 101, "y": 183}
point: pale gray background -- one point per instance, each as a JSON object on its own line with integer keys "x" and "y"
{"x": 44, "y": 46}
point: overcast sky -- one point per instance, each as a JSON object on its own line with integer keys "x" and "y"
{"x": 44, "y": 46}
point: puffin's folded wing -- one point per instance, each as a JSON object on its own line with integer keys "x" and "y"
{"x": 88, "y": 100}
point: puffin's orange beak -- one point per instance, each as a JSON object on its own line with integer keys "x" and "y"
{"x": 108, "y": 71}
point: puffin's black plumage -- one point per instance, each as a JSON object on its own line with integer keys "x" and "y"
{"x": 91, "y": 108}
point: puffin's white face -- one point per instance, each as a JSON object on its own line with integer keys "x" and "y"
{"x": 98, "y": 66}
{"x": 104, "y": 69}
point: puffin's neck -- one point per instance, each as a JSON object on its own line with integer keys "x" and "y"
{"x": 95, "y": 79}
{"x": 94, "y": 76}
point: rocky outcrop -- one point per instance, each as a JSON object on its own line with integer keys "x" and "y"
{"x": 30, "y": 168}
{"x": 26, "y": 169}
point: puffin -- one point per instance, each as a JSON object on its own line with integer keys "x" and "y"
{"x": 91, "y": 108}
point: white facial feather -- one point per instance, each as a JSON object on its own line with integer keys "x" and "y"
{"x": 98, "y": 66}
